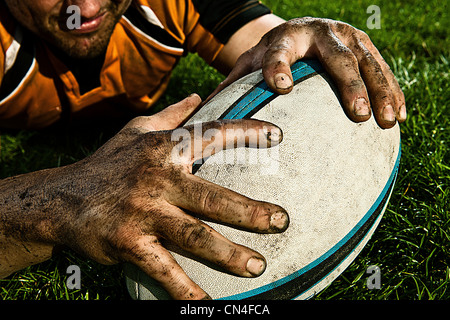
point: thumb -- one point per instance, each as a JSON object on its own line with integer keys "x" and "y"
{"x": 169, "y": 118}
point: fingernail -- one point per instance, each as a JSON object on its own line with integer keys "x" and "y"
{"x": 388, "y": 113}
{"x": 361, "y": 107}
{"x": 282, "y": 81}
{"x": 274, "y": 134}
{"x": 403, "y": 114}
{"x": 256, "y": 266}
{"x": 279, "y": 221}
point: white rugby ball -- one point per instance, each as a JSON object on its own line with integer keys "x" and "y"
{"x": 334, "y": 177}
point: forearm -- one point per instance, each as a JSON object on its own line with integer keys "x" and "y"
{"x": 17, "y": 255}
{"x": 244, "y": 39}
{"x": 27, "y": 219}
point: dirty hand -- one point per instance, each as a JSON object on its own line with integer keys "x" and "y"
{"x": 364, "y": 80}
{"x": 138, "y": 189}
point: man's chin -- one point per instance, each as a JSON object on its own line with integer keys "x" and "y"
{"x": 82, "y": 48}
{"x": 85, "y": 53}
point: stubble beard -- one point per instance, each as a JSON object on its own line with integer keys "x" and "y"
{"x": 80, "y": 46}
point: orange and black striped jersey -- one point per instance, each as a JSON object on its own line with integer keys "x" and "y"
{"x": 38, "y": 86}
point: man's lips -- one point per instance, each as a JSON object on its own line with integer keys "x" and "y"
{"x": 89, "y": 25}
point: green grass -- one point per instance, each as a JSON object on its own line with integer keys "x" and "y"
{"x": 412, "y": 244}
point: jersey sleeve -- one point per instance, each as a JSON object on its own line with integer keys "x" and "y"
{"x": 216, "y": 21}
{"x": 224, "y": 17}
{"x": 201, "y": 26}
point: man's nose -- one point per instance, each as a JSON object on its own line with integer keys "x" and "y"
{"x": 88, "y": 8}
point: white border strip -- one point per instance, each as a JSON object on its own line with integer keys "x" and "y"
{"x": 175, "y": 49}
{"x": 25, "y": 78}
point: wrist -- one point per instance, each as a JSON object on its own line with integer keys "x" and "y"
{"x": 31, "y": 206}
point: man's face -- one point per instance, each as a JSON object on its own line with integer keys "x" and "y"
{"x": 49, "y": 20}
